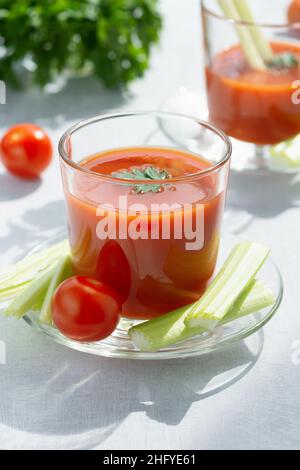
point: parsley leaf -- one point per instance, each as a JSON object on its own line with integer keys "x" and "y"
{"x": 286, "y": 60}
{"x": 145, "y": 173}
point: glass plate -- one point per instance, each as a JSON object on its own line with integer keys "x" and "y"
{"x": 119, "y": 345}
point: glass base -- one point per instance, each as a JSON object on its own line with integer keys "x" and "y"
{"x": 256, "y": 159}
{"x": 246, "y": 157}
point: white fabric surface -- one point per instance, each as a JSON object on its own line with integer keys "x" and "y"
{"x": 55, "y": 398}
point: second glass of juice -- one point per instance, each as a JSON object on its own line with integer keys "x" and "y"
{"x": 144, "y": 211}
{"x": 255, "y": 107}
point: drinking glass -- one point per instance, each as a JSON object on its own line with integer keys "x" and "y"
{"x": 257, "y": 109}
{"x": 153, "y": 271}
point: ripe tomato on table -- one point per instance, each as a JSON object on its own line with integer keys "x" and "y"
{"x": 294, "y": 11}
{"x": 26, "y": 150}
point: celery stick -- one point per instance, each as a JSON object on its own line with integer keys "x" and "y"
{"x": 287, "y": 153}
{"x": 170, "y": 328}
{"x": 36, "y": 308}
{"x": 238, "y": 271}
{"x": 34, "y": 261}
{"x": 255, "y": 297}
{"x": 27, "y": 299}
{"x": 16, "y": 278}
{"x": 263, "y": 46}
{"x": 62, "y": 272}
{"x": 247, "y": 43}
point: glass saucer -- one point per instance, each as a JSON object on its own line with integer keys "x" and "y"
{"x": 119, "y": 345}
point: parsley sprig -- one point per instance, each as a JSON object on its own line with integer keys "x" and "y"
{"x": 286, "y": 60}
{"x": 148, "y": 172}
{"x": 112, "y": 38}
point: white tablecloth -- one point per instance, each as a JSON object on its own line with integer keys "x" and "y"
{"x": 55, "y": 398}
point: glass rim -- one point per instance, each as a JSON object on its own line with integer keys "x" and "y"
{"x": 158, "y": 114}
{"x": 289, "y": 25}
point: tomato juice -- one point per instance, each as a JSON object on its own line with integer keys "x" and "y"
{"x": 250, "y": 105}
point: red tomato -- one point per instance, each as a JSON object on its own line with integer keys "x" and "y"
{"x": 85, "y": 309}
{"x": 294, "y": 12}
{"x": 113, "y": 268}
{"x": 26, "y": 150}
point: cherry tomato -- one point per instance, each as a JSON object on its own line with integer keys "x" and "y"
{"x": 26, "y": 150}
{"x": 294, "y": 12}
{"x": 85, "y": 309}
{"x": 113, "y": 268}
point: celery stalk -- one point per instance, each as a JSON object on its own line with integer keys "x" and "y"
{"x": 287, "y": 153}
{"x": 263, "y": 46}
{"x": 238, "y": 271}
{"x": 171, "y": 328}
{"x": 247, "y": 43}
{"x": 62, "y": 272}
{"x": 18, "y": 276}
{"x": 28, "y": 299}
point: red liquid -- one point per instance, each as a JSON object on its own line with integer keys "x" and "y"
{"x": 249, "y": 105}
{"x": 153, "y": 276}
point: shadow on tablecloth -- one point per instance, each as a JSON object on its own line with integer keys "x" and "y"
{"x": 265, "y": 195}
{"x": 53, "y": 397}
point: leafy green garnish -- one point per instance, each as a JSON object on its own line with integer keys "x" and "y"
{"x": 286, "y": 60}
{"x": 149, "y": 172}
{"x": 113, "y": 38}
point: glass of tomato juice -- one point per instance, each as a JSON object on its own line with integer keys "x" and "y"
{"x": 257, "y": 108}
{"x": 144, "y": 212}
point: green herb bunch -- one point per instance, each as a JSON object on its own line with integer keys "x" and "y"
{"x": 113, "y": 37}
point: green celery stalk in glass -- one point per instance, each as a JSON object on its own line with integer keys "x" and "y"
{"x": 262, "y": 44}
{"x": 248, "y": 45}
